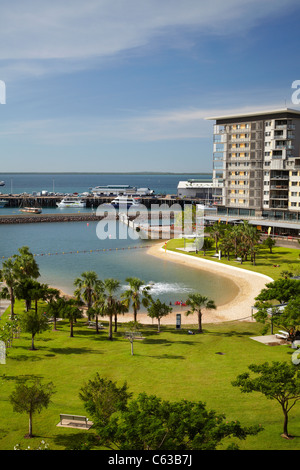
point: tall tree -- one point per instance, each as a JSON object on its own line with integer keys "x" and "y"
{"x": 70, "y": 310}
{"x": 149, "y": 423}
{"x": 8, "y": 275}
{"x": 279, "y": 381}
{"x": 137, "y": 294}
{"x": 227, "y": 244}
{"x": 26, "y": 264}
{"x": 54, "y": 309}
{"x": 31, "y": 399}
{"x": 216, "y": 232}
{"x": 34, "y": 322}
{"x": 111, "y": 287}
{"x": 121, "y": 307}
{"x": 158, "y": 310}
{"x": 281, "y": 290}
{"x": 86, "y": 286}
{"x": 197, "y": 303}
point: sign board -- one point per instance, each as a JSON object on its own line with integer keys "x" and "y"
{"x": 178, "y": 320}
{"x": 2, "y": 353}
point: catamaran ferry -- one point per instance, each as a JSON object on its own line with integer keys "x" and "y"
{"x": 71, "y": 202}
{"x": 118, "y": 189}
{"x": 124, "y": 202}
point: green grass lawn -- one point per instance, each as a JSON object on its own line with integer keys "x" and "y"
{"x": 266, "y": 263}
{"x": 172, "y": 365}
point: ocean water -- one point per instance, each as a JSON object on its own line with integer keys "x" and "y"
{"x": 65, "y": 250}
{"x": 17, "y": 183}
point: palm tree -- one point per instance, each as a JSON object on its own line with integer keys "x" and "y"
{"x": 227, "y": 244}
{"x": 53, "y": 309}
{"x": 8, "y": 275}
{"x": 216, "y": 231}
{"x": 86, "y": 286}
{"x": 25, "y": 264}
{"x": 136, "y": 294}
{"x": 207, "y": 244}
{"x": 121, "y": 306}
{"x": 98, "y": 307}
{"x": 111, "y": 286}
{"x": 235, "y": 232}
{"x": 70, "y": 310}
{"x": 197, "y": 302}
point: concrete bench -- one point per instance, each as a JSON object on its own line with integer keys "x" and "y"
{"x": 74, "y": 419}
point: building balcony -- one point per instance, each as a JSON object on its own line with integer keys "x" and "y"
{"x": 278, "y": 196}
{"x": 280, "y": 187}
{"x": 279, "y": 177}
{"x": 285, "y": 126}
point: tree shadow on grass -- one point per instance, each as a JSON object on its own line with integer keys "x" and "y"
{"x": 80, "y": 350}
{"x": 165, "y": 341}
{"x": 167, "y": 356}
{"x": 77, "y": 440}
{"x": 230, "y": 333}
{"x": 22, "y": 378}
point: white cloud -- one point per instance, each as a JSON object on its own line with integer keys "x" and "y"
{"x": 153, "y": 126}
{"x": 76, "y": 30}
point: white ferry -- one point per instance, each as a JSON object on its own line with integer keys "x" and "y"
{"x": 2, "y": 183}
{"x": 113, "y": 189}
{"x": 119, "y": 189}
{"x": 71, "y": 202}
{"x": 124, "y": 202}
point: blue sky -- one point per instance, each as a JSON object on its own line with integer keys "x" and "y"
{"x": 125, "y": 85}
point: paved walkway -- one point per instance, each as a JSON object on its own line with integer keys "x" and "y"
{"x": 3, "y": 305}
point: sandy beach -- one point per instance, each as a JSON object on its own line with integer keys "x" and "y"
{"x": 249, "y": 285}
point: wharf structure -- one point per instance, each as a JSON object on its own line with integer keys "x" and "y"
{"x": 258, "y": 155}
{"x": 207, "y": 191}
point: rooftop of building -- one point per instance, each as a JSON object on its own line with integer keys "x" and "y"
{"x": 258, "y": 113}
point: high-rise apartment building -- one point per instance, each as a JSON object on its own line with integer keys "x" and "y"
{"x": 258, "y": 155}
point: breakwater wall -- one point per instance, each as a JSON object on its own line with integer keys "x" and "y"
{"x": 46, "y": 218}
{"x": 80, "y": 217}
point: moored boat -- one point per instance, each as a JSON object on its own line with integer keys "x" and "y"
{"x": 124, "y": 202}
{"x": 31, "y": 210}
{"x": 71, "y": 202}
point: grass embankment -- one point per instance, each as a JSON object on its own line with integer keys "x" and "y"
{"x": 270, "y": 264}
{"x": 172, "y": 365}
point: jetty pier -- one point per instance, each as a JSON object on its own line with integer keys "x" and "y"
{"x": 16, "y": 200}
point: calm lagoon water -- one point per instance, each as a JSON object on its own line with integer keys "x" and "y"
{"x": 172, "y": 281}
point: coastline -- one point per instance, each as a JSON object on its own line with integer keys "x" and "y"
{"x": 248, "y": 283}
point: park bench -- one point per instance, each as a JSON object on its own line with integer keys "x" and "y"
{"x": 93, "y": 324}
{"x": 282, "y": 335}
{"x": 73, "y": 419}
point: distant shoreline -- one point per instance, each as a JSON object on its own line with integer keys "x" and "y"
{"x": 100, "y": 173}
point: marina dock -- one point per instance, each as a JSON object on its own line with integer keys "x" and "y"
{"x": 91, "y": 201}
